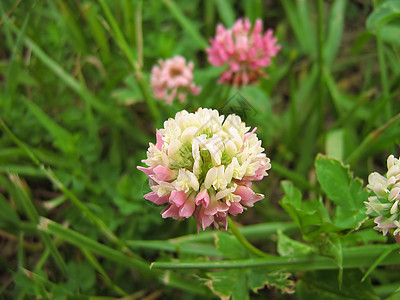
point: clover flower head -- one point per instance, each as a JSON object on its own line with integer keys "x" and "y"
{"x": 245, "y": 51}
{"x": 203, "y": 165}
{"x": 172, "y": 79}
{"x": 385, "y": 203}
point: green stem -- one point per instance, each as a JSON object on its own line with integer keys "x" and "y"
{"x": 245, "y": 242}
{"x": 252, "y": 232}
{"x": 354, "y": 257}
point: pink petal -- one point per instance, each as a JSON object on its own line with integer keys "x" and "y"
{"x": 159, "y": 140}
{"x": 253, "y": 199}
{"x": 246, "y": 135}
{"x": 244, "y": 192}
{"x": 170, "y": 211}
{"x": 187, "y": 209}
{"x": 206, "y": 220}
{"x": 163, "y": 173}
{"x": 178, "y": 198}
{"x": 148, "y": 171}
{"x": 153, "y": 197}
{"x": 235, "y": 208}
{"x": 248, "y": 196}
{"x": 202, "y": 198}
{"x": 221, "y": 218}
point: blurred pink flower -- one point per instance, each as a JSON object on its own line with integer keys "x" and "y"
{"x": 245, "y": 52}
{"x": 173, "y": 79}
{"x": 203, "y": 165}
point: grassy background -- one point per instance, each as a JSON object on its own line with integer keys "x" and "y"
{"x": 77, "y": 115}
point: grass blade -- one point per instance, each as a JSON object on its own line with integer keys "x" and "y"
{"x": 81, "y": 241}
{"x": 64, "y": 140}
{"x": 369, "y": 140}
{"x": 335, "y": 31}
{"x": 186, "y": 24}
{"x": 13, "y": 69}
{"x": 103, "y": 273}
{"x": 308, "y": 29}
{"x": 26, "y": 202}
{"x": 132, "y": 60}
{"x": 81, "y": 90}
{"x": 379, "y": 260}
{"x": 89, "y": 11}
{"x": 226, "y": 12}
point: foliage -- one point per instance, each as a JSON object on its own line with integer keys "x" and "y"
{"x": 77, "y": 114}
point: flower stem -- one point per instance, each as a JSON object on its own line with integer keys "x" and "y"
{"x": 245, "y": 242}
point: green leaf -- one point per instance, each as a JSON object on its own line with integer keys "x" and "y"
{"x": 390, "y": 34}
{"x": 236, "y": 283}
{"x": 344, "y": 190}
{"x": 229, "y": 283}
{"x": 323, "y": 285}
{"x": 311, "y": 216}
{"x": 289, "y": 247}
{"x": 383, "y": 13}
{"x": 331, "y": 246}
{"x": 257, "y": 278}
{"x": 229, "y": 246}
{"x": 81, "y": 276}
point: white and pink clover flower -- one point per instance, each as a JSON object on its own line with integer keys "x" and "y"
{"x": 203, "y": 165}
{"x": 172, "y": 79}
{"x": 385, "y": 202}
{"x": 245, "y": 52}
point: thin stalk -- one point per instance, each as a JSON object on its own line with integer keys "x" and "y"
{"x": 252, "y": 232}
{"x": 379, "y": 260}
{"x": 139, "y": 34}
{"x": 245, "y": 242}
{"x": 354, "y": 257}
{"x": 42, "y": 260}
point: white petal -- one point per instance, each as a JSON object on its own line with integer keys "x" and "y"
{"x": 210, "y": 177}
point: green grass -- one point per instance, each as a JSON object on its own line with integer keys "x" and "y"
{"x": 77, "y": 114}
